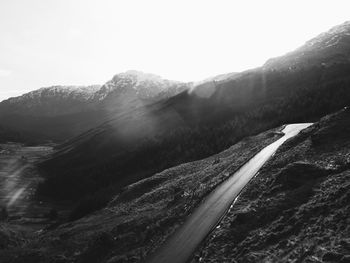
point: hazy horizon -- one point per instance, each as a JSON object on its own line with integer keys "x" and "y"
{"x": 46, "y": 43}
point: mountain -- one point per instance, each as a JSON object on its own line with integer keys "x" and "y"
{"x": 61, "y": 112}
{"x": 52, "y": 113}
{"x": 51, "y": 101}
{"x": 299, "y": 87}
{"x": 133, "y": 89}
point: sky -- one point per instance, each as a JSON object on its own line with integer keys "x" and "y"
{"x": 84, "y": 42}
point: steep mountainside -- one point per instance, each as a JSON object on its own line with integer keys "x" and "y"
{"x": 60, "y": 112}
{"x": 206, "y": 120}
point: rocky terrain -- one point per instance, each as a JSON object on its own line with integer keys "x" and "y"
{"x": 297, "y": 208}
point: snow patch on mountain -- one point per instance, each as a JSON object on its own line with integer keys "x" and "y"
{"x": 145, "y": 85}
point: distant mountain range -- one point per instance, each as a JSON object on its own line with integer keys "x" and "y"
{"x": 300, "y": 86}
{"x": 60, "y": 112}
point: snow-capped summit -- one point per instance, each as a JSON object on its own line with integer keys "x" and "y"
{"x": 145, "y": 85}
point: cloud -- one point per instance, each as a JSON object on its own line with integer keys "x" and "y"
{"x": 75, "y": 33}
{"x": 5, "y": 72}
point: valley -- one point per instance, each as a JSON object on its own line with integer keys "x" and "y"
{"x": 247, "y": 167}
{"x": 19, "y": 178}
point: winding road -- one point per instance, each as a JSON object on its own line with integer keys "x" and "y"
{"x": 181, "y": 246}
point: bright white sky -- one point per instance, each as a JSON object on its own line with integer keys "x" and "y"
{"x": 81, "y": 42}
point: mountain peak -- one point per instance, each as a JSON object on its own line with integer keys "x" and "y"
{"x": 140, "y": 76}
{"x": 144, "y": 85}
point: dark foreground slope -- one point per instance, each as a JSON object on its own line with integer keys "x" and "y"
{"x": 301, "y": 86}
{"x": 138, "y": 219}
{"x": 298, "y": 208}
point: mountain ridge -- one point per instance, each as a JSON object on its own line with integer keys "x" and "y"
{"x": 70, "y": 110}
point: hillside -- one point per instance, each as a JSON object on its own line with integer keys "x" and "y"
{"x": 297, "y": 208}
{"x": 138, "y": 219}
{"x": 47, "y": 114}
{"x": 190, "y": 125}
{"x": 300, "y": 198}
{"x": 51, "y": 101}
{"x": 8, "y": 135}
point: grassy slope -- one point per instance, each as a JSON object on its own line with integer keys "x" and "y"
{"x": 297, "y": 208}
{"x": 143, "y": 215}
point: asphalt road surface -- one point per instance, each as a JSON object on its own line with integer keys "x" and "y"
{"x": 181, "y": 246}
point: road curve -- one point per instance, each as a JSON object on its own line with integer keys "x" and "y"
{"x": 182, "y": 244}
